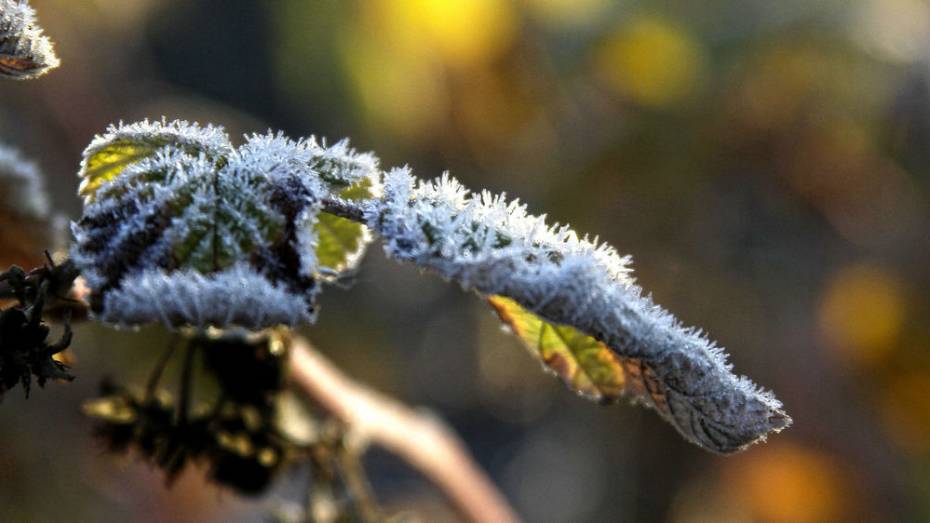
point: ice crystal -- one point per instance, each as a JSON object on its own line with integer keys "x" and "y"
{"x": 494, "y": 247}
{"x": 24, "y": 51}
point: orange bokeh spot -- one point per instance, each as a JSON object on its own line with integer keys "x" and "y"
{"x": 788, "y": 483}
{"x": 862, "y": 312}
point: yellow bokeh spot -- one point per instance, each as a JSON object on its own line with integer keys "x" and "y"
{"x": 398, "y": 53}
{"x": 788, "y": 483}
{"x": 401, "y": 94}
{"x": 652, "y": 62}
{"x": 463, "y": 33}
{"x": 862, "y": 312}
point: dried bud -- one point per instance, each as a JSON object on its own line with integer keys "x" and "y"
{"x": 24, "y": 51}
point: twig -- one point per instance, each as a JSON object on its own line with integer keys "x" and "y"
{"x": 184, "y": 396}
{"x": 344, "y": 209}
{"x": 357, "y": 484}
{"x": 152, "y": 383}
{"x": 417, "y": 437}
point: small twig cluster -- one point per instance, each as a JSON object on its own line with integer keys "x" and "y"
{"x": 25, "y": 350}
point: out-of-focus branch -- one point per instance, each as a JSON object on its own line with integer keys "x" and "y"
{"x": 417, "y": 437}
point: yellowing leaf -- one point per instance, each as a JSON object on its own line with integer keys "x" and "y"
{"x": 592, "y": 369}
{"x": 110, "y": 161}
{"x": 341, "y": 242}
{"x": 108, "y": 156}
{"x": 584, "y": 364}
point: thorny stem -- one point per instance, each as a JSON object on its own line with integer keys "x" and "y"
{"x": 416, "y": 437}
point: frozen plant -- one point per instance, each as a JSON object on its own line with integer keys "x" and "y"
{"x": 174, "y": 212}
{"x": 182, "y": 228}
{"x": 229, "y": 245}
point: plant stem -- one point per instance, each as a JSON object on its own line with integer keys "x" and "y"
{"x": 359, "y": 488}
{"x": 419, "y": 438}
{"x": 159, "y": 369}
{"x": 350, "y": 210}
{"x": 184, "y": 397}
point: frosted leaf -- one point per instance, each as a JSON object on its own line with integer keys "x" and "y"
{"x": 26, "y": 227}
{"x": 21, "y": 187}
{"x": 330, "y": 245}
{"x": 239, "y": 295}
{"x": 195, "y": 206}
{"x": 121, "y": 146}
{"x": 492, "y": 246}
{"x": 341, "y": 166}
{"x": 338, "y": 166}
{"x": 24, "y": 51}
{"x": 342, "y": 242}
{"x": 585, "y": 365}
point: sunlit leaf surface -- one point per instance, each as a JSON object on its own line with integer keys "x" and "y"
{"x": 590, "y": 368}
{"x": 109, "y": 155}
{"x": 341, "y": 242}
{"x": 584, "y": 364}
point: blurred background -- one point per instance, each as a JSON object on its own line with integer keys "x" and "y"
{"x": 766, "y": 163}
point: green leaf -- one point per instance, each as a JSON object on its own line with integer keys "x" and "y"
{"x": 584, "y": 364}
{"x": 341, "y": 241}
{"x": 108, "y": 156}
